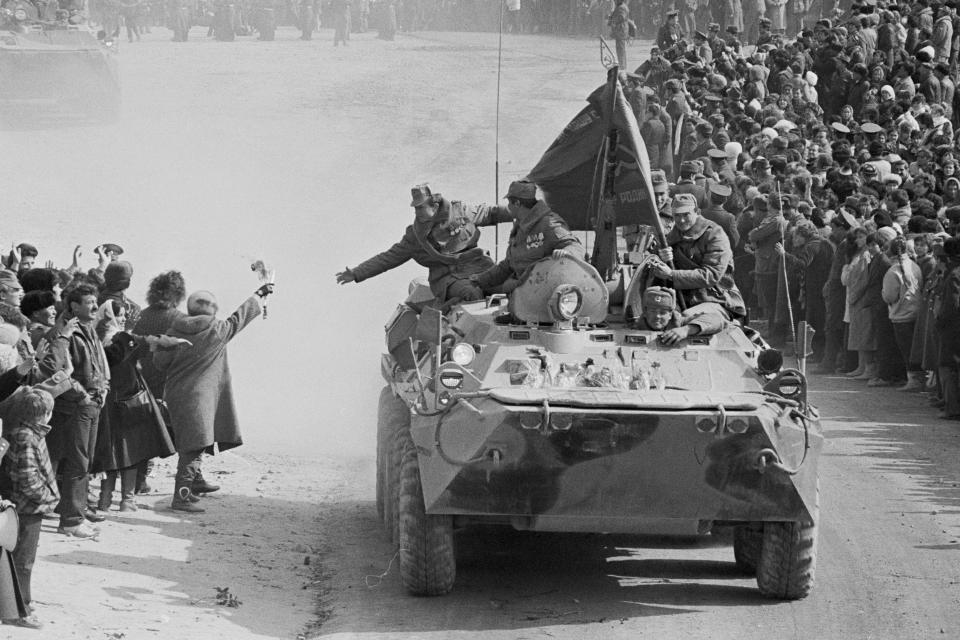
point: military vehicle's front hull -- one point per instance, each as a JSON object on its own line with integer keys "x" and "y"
{"x": 595, "y": 460}
{"x": 58, "y": 67}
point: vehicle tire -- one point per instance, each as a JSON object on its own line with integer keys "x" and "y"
{"x": 392, "y": 414}
{"x": 789, "y": 557}
{"x": 427, "y": 560}
{"x": 747, "y": 544}
{"x": 391, "y": 487}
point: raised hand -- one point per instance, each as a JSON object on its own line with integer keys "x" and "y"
{"x": 66, "y": 328}
{"x": 346, "y": 276}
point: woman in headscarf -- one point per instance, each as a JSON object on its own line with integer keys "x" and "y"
{"x": 132, "y": 429}
{"x": 951, "y": 191}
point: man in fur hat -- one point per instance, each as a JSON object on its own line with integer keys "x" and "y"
{"x": 443, "y": 238}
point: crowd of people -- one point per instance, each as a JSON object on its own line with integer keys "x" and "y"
{"x": 830, "y": 160}
{"x": 94, "y": 386}
{"x": 555, "y": 17}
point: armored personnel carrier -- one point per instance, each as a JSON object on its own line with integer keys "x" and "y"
{"x": 548, "y": 410}
{"x": 55, "y": 62}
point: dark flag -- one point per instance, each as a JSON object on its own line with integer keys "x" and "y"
{"x": 567, "y": 174}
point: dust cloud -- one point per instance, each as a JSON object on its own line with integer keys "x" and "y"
{"x": 298, "y": 153}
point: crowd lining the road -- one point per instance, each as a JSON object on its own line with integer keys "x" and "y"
{"x": 554, "y": 17}
{"x": 92, "y": 386}
{"x": 831, "y": 161}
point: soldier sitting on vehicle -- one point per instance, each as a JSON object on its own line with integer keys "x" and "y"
{"x": 703, "y": 262}
{"x": 443, "y": 238}
{"x": 660, "y": 314}
{"x": 537, "y": 233}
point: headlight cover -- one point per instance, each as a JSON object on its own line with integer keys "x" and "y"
{"x": 566, "y": 301}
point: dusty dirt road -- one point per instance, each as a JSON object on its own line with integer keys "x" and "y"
{"x": 306, "y": 153}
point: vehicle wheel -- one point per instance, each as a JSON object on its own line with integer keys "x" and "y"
{"x": 747, "y": 544}
{"x": 392, "y": 414}
{"x": 393, "y": 450}
{"x": 789, "y": 557}
{"x": 427, "y": 561}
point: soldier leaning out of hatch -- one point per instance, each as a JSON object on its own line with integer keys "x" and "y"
{"x": 659, "y": 313}
{"x": 537, "y": 233}
{"x": 443, "y": 238}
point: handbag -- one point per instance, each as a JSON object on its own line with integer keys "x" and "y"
{"x": 140, "y": 401}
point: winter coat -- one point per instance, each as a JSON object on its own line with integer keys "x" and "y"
{"x": 703, "y": 264}
{"x": 90, "y": 361}
{"x": 531, "y": 240}
{"x": 154, "y": 321}
{"x": 655, "y": 138}
{"x": 619, "y": 23}
{"x": 458, "y": 259}
{"x": 198, "y": 389}
{"x": 901, "y": 291}
{"x": 125, "y": 436}
{"x": 947, "y": 315}
{"x": 725, "y": 220}
{"x": 942, "y": 38}
{"x": 764, "y": 236}
{"x": 27, "y": 477}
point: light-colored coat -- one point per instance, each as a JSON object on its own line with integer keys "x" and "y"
{"x": 198, "y": 387}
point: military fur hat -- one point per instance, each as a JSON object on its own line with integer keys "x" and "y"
{"x": 659, "y": 298}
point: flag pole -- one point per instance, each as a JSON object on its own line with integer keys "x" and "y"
{"x": 496, "y": 161}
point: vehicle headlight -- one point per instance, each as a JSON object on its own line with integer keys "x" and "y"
{"x": 20, "y": 14}
{"x": 463, "y": 354}
{"x": 567, "y": 301}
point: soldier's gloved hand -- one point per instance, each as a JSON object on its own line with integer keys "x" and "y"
{"x": 660, "y": 270}
{"x": 265, "y": 290}
{"x": 346, "y": 276}
{"x": 559, "y": 254}
{"x": 666, "y": 254}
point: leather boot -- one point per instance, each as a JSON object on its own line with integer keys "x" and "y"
{"x": 181, "y": 500}
{"x": 128, "y": 485}
{"x": 200, "y": 485}
{"x": 107, "y": 485}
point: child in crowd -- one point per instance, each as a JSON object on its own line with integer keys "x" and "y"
{"x": 27, "y": 479}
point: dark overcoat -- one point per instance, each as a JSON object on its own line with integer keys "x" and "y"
{"x": 198, "y": 389}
